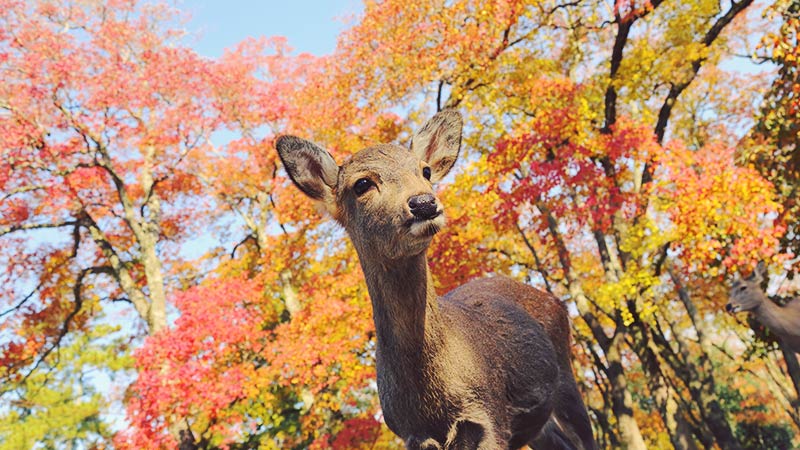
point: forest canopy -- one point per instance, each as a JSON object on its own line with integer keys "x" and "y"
{"x": 162, "y": 281}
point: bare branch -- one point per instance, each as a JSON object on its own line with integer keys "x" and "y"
{"x": 662, "y": 257}
{"x": 439, "y": 96}
{"x": 676, "y": 89}
{"x": 22, "y": 302}
{"x": 36, "y": 226}
{"x": 120, "y": 271}
{"x": 539, "y": 267}
{"x": 76, "y": 292}
{"x": 105, "y": 163}
{"x": 23, "y": 189}
{"x": 247, "y": 238}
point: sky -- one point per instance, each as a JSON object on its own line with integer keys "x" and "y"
{"x": 310, "y": 25}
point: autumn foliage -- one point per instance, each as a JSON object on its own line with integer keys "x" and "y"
{"x": 161, "y": 280}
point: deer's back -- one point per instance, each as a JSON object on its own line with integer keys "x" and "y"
{"x": 500, "y": 292}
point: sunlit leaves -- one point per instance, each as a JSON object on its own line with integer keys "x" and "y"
{"x": 724, "y": 216}
{"x": 66, "y": 400}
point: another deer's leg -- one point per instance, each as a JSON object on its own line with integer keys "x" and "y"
{"x": 570, "y": 415}
{"x": 552, "y": 437}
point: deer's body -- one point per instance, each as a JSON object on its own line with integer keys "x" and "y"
{"x": 486, "y": 366}
{"x": 447, "y": 378}
{"x": 784, "y": 321}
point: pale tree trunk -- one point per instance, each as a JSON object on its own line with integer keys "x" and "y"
{"x": 630, "y": 435}
{"x": 293, "y": 306}
{"x": 290, "y": 300}
{"x": 792, "y": 366}
{"x": 148, "y": 238}
{"x": 679, "y": 430}
{"x": 157, "y": 314}
{"x": 621, "y": 401}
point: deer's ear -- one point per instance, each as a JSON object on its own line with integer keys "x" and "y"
{"x": 760, "y": 273}
{"x": 438, "y": 142}
{"x": 311, "y": 168}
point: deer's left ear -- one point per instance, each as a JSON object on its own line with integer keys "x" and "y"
{"x": 438, "y": 142}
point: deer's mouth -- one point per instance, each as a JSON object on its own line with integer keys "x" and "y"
{"x": 425, "y": 227}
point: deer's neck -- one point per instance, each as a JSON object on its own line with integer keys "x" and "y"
{"x": 405, "y": 307}
{"x": 780, "y": 319}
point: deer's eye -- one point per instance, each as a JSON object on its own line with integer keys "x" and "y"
{"x": 362, "y": 185}
{"x": 743, "y": 288}
{"x": 426, "y": 172}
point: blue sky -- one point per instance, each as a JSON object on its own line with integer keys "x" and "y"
{"x": 310, "y": 25}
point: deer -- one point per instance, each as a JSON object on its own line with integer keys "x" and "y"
{"x": 784, "y": 321}
{"x": 485, "y": 366}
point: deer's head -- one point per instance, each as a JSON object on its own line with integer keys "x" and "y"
{"x": 383, "y": 195}
{"x": 746, "y": 293}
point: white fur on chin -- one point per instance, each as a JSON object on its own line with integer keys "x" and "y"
{"x": 428, "y": 227}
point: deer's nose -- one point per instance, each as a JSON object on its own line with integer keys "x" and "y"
{"x": 423, "y": 206}
{"x": 729, "y": 307}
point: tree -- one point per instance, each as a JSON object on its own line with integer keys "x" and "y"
{"x": 106, "y": 121}
{"x": 598, "y": 165}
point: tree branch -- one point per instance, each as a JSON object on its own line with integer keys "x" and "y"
{"x": 677, "y": 88}
{"x": 539, "y": 267}
{"x": 76, "y": 292}
{"x": 36, "y": 226}
{"x": 22, "y": 302}
{"x": 624, "y": 26}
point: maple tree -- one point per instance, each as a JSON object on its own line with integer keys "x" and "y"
{"x": 599, "y": 165}
{"x": 104, "y": 120}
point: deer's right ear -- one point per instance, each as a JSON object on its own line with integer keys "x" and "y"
{"x": 760, "y": 272}
{"x": 438, "y": 142}
{"x": 311, "y": 168}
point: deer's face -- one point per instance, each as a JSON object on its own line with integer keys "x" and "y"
{"x": 746, "y": 294}
{"x": 385, "y": 201}
{"x": 383, "y": 195}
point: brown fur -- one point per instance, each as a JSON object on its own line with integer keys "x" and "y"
{"x": 486, "y": 366}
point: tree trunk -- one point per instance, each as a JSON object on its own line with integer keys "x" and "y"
{"x": 148, "y": 236}
{"x": 622, "y": 404}
{"x": 698, "y": 374}
{"x": 678, "y": 427}
{"x": 621, "y": 401}
{"x": 157, "y": 313}
{"x": 793, "y": 368}
{"x": 680, "y": 432}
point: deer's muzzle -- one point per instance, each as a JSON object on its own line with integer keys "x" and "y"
{"x": 423, "y": 206}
